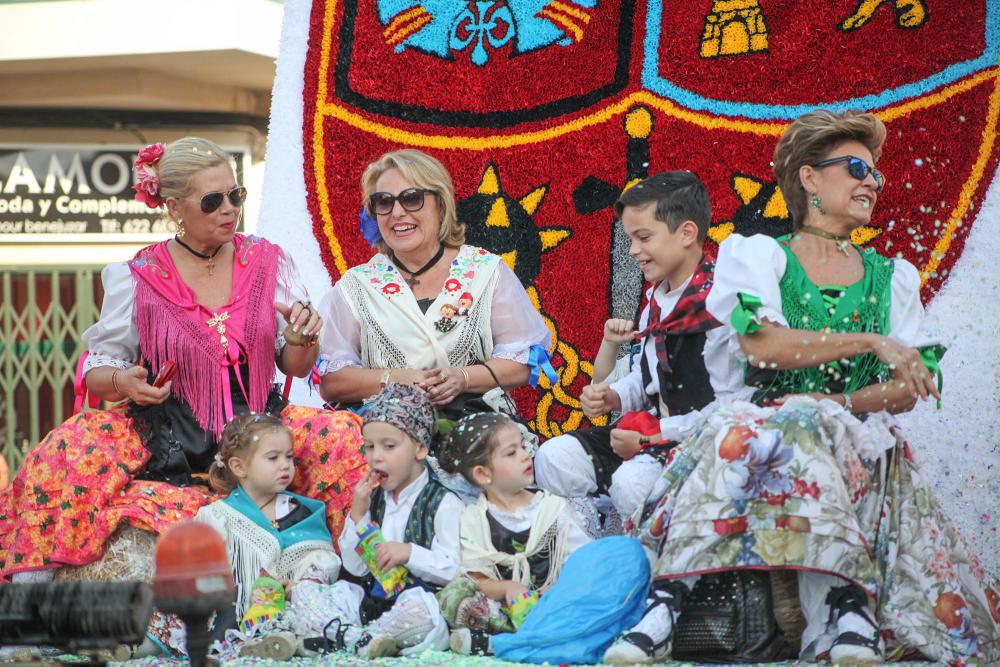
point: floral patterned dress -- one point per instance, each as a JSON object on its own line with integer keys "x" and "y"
{"x": 808, "y": 486}
{"x": 79, "y": 485}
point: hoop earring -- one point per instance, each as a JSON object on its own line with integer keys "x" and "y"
{"x": 817, "y": 204}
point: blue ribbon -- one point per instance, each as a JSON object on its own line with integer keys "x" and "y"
{"x": 369, "y": 227}
{"x": 540, "y": 360}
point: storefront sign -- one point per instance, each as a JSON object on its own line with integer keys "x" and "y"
{"x": 62, "y": 193}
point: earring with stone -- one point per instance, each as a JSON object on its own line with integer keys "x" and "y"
{"x": 817, "y": 204}
{"x": 180, "y": 228}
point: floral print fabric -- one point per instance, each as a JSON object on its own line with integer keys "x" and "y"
{"x": 76, "y": 487}
{"x": 808, "y": 486}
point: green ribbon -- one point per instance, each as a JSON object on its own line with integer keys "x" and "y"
{"x": 743, "y": 315}
{"x": 931, "y": 356}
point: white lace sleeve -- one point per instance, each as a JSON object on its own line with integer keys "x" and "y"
{"x": 340, "y": 338}
{"x": 906, "y": 312}
{"x": 753, "y": 267}
{"x": 114, "y": 339}
{"x": 516, "y": 324}
{"x": 290, "y": 289}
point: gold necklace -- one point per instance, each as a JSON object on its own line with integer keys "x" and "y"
{"x": 274, "y": 522}
{"x": 842, "y": 241}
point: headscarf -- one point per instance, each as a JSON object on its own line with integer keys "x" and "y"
{"x": 405, "y": 407}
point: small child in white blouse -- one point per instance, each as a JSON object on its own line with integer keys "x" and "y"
{"x": 418, "y": 519}
{"x": 515, "y": 539}
{"x": 271, "y": 535}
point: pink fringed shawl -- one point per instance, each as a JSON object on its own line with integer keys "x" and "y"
{"x": 206, "y": 343}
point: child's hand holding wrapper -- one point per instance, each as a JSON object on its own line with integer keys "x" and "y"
{"x": 393, "y": 581}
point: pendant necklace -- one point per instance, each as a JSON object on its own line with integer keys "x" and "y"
{"x": 842, "y": 241}
{"x": 209, "y": 257}
{"x": 412, "y": 280}
{"x": 274, "y": 522}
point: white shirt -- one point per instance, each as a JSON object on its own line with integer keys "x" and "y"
{"x": 114, "y": 339}
{"x": 725, "y": 373}
{"x": 522, "y": 518}
{"x": 437, "y": 565}
{"x": 755, "y": 265}
{"x": 514, "y": 323}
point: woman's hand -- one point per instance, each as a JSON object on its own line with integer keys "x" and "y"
{"x": 362, "y": 499}
{"x": 598, "y": 400}
{"x": 625, "y": 443}
{"x": 443, "y": 385}
{"x": 131, "y": 384}
{"x": 302, "y": 319}
{"x": 908, "y": 369}
{"x": 390, "y": 554}
{"x": 407, "y": 376}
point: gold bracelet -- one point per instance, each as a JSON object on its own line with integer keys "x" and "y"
{"x": 114, "y": 382}
{"x": 465, "y": 374}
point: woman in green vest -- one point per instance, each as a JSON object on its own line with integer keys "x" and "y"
{"x": 809, "y": 472}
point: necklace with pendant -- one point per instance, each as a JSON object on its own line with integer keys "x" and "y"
{"x": 843, "y": 242}
{"x": 207, "y": 256}
{"x": 412, "y": 280}
{"x": 274, "y": 522}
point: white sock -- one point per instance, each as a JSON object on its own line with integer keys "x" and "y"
{"x": 408, "y": 621}
{"x": 657, "y": 624}
{"x": 34, "y": 577}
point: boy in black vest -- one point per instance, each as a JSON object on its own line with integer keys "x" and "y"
{"x": 666, "y": 217}
{"x": 419, "y": 519}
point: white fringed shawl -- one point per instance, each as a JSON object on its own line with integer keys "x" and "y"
{"x": 251, "y": 549}
{"x": 547, "y": 537}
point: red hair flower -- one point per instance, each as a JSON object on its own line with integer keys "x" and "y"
{"x": 147, "y": 183}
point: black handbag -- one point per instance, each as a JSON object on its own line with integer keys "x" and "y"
{"x": 728, "y": 617}
{"x": 179, "y": 448}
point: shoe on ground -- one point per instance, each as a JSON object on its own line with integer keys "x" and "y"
{"x": 858, "y": 641}
{"x": 635, "y": 648}
{"x": 470, "y": 642}
{"x": 275, "y": 646}
{"x": 380, "y": 646}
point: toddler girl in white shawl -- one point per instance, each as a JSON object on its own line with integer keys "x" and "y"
{"x": 514, "y": 539}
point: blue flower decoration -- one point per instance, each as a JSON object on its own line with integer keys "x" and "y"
{"x": 368, "y": 227}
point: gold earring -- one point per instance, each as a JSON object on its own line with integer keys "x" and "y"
{"x": 180, "y": 228}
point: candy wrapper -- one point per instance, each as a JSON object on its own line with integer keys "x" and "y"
{"x": 519, "y": 608}
{"x": 392, "y": 582}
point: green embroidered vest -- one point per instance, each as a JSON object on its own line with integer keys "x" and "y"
{"x": 861, "y": 307}
{"x": 420, "y": 523}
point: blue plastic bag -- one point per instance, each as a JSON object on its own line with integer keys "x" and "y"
{"x": 600, "y": 593}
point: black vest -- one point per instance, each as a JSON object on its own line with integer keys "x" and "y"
{"x": 507, "y": 541}
{"x": 687, "y": 386}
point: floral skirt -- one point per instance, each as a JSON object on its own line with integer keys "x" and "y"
{"x": 807, "y": 486}
{"x": 77, "y": 486}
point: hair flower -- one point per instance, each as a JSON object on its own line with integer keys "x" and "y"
{"x": 218, "y": 460}
{"x": 147, "y": 183}
{"x": 369, "y": 227}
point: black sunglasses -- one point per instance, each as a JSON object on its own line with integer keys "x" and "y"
{"x": 211, "y": 202}
{"x": 411, "y": 199}
{"x": 857, "y": 168}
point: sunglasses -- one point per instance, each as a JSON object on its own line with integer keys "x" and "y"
{"x": 857, "y": 168}
{"x": 411, "y": 199}
{"x": 211, "y": 202}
